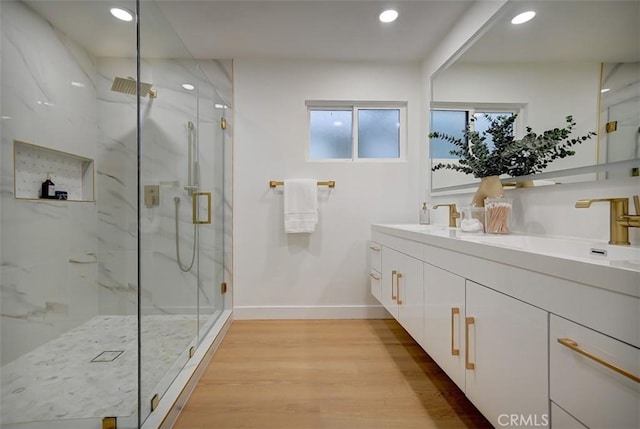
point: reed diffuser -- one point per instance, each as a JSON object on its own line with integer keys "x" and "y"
{"x": 498, "y": 215}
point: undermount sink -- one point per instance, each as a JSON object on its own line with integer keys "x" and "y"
{"x": 593, "y": 251}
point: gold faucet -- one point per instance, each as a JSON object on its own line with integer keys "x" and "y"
{"x": 619, "y": 218}
{"x": 453, "y": 213}
{"x": 631, "y": 221}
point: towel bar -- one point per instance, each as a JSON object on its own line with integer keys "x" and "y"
{"x": 330, "y": 183}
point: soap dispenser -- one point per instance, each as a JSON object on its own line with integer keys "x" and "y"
{"x": 48, "y": 189}
{"x": 424, "y": 215}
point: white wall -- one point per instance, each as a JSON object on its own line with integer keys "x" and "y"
{"x": 323, "y": 274}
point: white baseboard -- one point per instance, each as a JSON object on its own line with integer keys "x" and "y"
{"x": 311, "y": 312}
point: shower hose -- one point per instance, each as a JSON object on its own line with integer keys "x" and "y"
{"x": 183, "y": 268}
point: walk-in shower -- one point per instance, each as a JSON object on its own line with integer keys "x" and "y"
{"x": 103, "y": 310}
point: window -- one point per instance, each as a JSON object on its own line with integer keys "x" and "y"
{"x": 454, "y": 122}
{"x": 352, "y": 131}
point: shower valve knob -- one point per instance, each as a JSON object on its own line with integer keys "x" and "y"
{"x": 152, "y": 195}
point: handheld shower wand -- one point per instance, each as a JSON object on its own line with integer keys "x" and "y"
{"x": 192, "y": 165}
{"x": 190, "y": 187}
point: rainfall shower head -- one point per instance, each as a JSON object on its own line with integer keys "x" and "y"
{"x": 128, "y": 86}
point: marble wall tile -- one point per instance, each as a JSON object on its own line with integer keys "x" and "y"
{"x": 117, "y": 282}
{"x": 39, "y": 69}
{"x": 48, "y": 98}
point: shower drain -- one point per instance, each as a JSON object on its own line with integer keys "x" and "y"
{"x": 107, "y": 356}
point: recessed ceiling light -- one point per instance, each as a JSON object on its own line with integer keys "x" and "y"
{"x": 220, "y": 106}
{"x": 188, "y": 86}
{"x": 121, "y": 14}
{"x": 523, "y": 17}
{"x": 603, "y": 90}
{"x": 388, "y": 15}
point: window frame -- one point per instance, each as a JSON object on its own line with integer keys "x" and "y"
{"x": 355, "y": 107}
{"x": 472, "y": 109}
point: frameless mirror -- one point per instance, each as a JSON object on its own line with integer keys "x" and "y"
{"x": 578, "y": 58}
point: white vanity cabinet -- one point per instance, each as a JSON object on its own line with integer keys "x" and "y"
{"x": 444, "y": 316}
{"x": 595, "y": 378}
{"x": 492, "y": 316}
{"x": 506, "y": 358}
{"x": 492, "y": 346}
{"x": 560, "y": 419}
{"x": 375, "y": 269}
{"x": 402, "y": 291}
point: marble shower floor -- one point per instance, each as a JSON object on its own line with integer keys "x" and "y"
{"x": 58, "y": 380}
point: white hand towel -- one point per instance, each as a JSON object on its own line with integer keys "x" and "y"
{"x": 300, "y": 205}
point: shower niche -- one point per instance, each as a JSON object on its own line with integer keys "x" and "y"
{"x": 70, "y": 173}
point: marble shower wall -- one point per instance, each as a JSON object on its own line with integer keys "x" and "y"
{"x": 48, "y": 259}
{"x": 166, "y": 289}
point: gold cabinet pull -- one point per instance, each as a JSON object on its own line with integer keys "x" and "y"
{"x": 454, "y": 351}
{"x": 468, "y": 322}
{"x": 374, "y": 248}
{"x": 569, "y": 343}
{"x": 194, "y": 207}
{"x": 398, "y": 277}
{"x": 374, "y": 276}
{"x": 394, "y": 273}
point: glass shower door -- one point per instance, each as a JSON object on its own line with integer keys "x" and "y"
{"x": 168, "y": 245}
{"x": 178, "y": 181}
{"x": 212, "y": 236}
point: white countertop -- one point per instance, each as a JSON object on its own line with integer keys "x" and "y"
{"x": 568, "y": 258}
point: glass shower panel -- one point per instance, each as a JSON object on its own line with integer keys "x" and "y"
{"x": 623, "y": 142}
{"x": 173, "y": 200}
{"x": 117, "y": 279}
{"x": 68, "y": 287}
{"x": 212, "y": 112}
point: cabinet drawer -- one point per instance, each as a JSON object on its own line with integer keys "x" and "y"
{"x": 560, "y": 419}
{"x": 593, "y": 393}
{"x": 402, "y": 245}
{"x": 374, "y": 256}
{"x": 376, "y": 285}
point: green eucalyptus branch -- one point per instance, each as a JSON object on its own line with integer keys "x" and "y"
{"x": 529, "y": 155}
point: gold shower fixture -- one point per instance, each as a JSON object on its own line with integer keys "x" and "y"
{"x": 129, "y": 86}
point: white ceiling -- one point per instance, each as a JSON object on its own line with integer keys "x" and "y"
{"x": 309, "y": 29}
{"x": 565, "y": 30}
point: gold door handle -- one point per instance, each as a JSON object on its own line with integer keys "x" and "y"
{"x": 374, "y": 276}
{"x": 194, "y": 207}
{"x": 398, "y": 277}
{"x": 374, "y": 248}
{"x": 569, "y": 343}
{"x": 394, "y": 273}
{"x": 468, "y": 322}
{"x": 454, "y": 351}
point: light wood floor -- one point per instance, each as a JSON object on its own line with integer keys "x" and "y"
{"x": 332, "y": 374}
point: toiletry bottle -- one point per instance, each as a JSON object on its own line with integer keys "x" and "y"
{"x": 424, "y": 215}
{"x": 48, "y": 188}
